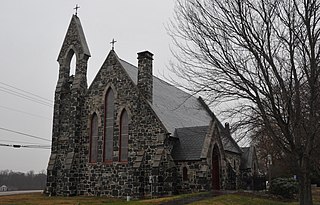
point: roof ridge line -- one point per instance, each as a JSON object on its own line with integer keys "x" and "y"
{"x": 189, "y": 95}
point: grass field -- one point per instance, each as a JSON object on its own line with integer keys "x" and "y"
{"x": 237, "y": 199}
{"x": 40, "y": 199}
{"x": 231, "y": 199}
{"x": 240, "y": 199}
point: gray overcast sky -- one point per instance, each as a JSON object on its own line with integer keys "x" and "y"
{"x": 31, "y": 36}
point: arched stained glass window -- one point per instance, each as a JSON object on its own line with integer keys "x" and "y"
{"x": 109, "y": 122}
{"x": 123, "y": 151}
{"x": 94, "y": 139}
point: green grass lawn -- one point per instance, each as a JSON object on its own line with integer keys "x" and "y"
{"x": 250, "y": 199}
{"x": 40, "y": 199}
{"x": 231, "y": 199}
{"x": 237, "y": 199}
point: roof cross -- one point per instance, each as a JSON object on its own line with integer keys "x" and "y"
{"x": 76, "y": 8}
{"x": 113, "y": 42}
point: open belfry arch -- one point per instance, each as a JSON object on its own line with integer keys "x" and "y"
{"x": 130, "y": 133}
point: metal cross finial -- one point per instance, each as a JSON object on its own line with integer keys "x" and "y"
{"x": 113, "y": 42}
{"x": 76, "y": 8}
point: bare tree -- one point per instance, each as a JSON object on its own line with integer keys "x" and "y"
{"x": 262, "y": 55}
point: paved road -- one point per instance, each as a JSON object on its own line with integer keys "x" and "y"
{"x": 6, "y": 193}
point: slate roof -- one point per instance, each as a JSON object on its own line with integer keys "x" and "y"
{"x": 229, "y": 144}
{"x": 190, "y": 138}
{"x": 174, "y": 107}
{"x": 183, "y": 116}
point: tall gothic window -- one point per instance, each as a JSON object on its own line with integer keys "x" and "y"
{"x": 109, "y": 121}
{"x": 123, "y": 151}
{"x": 94, "y": 139}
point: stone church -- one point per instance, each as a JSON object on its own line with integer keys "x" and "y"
{"x": 132, "y": 134}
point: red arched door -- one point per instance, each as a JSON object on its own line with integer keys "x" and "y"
{"x": 215, "y": 169}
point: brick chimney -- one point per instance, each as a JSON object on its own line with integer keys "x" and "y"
{"x": 145, "y": 78}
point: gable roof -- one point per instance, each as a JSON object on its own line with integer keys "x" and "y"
{"x": 229, "y": 144}
{"x": 174, "y": 107}
{"x": 190, "y": 138}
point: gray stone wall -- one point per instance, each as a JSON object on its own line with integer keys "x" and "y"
{"x": 120, "y": 178}
{"x": 198, "y": 177}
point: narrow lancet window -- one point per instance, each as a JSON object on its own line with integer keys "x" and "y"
{"x": 94, "y": 139}
{"x": 109, "y": 122}
{"x": 123, "y": 151}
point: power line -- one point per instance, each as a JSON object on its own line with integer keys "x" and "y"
{"x": 20, "y": 142}
{"x": 26, "y": 146}
{"x": 17, "y": 144}
{"x": 21, "y": 95}
{"x": 38, "y": 96}
{"x": 27, "y": 113}
{"x": 14, "y": 141}
{"x": 37, "y": 146}
{"x": 25, "y": 134}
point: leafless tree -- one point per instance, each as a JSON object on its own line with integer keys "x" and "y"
{"x": 262, "y": 55}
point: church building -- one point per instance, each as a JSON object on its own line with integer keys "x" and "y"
{"x": 132, "y": 134}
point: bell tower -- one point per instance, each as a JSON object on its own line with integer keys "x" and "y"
{"x": 68, "y": 104}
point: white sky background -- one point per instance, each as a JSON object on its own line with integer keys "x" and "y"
{"x": 31, "y": 35}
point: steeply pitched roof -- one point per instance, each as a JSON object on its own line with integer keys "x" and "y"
{"x": 190, "y": 143}
{"x": 175, "y": 108}
{"x": 229, "y": 144}
{"x": 184, "y": 116}
{"x": 191, "y": 140}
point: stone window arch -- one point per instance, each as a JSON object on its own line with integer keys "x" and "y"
{"x": 124, "y": 136}
{"x": 109, "y": 125}
{"x": 94, "y": 128}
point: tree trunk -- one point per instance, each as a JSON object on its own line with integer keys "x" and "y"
{"x": 305, "y": 193}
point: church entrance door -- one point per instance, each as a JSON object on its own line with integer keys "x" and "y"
{"x": 215, "y": 169}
